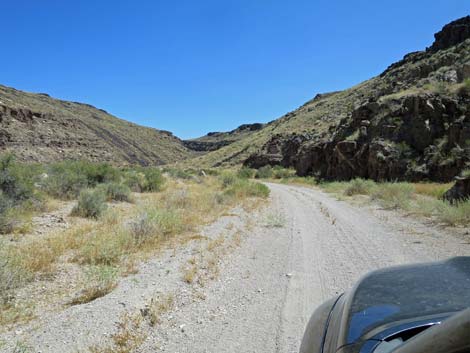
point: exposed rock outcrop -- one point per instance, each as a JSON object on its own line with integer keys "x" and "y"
{"x": 451, "y": 34}
{"x": 410, "y": 138}
{"x": 280, "y": 150}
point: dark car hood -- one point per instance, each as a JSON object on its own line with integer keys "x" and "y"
{"x": 403, "y": 293}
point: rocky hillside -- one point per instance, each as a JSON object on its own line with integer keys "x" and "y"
{"x": 411, "y": 122}
{"x": 39, "y": 128}
{"x": 216, "y": 140}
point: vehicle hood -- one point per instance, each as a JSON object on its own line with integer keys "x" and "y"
{"x": 404, "y": 293}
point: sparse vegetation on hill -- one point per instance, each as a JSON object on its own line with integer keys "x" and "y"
{"x": 38, "y": 128}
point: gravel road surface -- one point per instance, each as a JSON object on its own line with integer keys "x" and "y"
{"x": 301, "y": 249}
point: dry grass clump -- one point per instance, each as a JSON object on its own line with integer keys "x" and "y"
{"x": 443, "y": 212}
{"x": 359, "y": 187}
{"x": 12, "y": 277}
{"x": 205, "y": 266}
{"x": 394, "y": 195}
{"x": 158, "y": 307}
{"x": 424, "y": 199}
{"x": 435, "y": 190}
{"x": 243, "y": 188}
{"x": 129, "y": 336}
{"x": 100, "y": 280}
{"x": 189, "y": 273}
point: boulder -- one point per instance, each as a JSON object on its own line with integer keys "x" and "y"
{"x": 460, "y": 191}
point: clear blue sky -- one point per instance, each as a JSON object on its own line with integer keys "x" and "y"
{"x": 194, "y": 66}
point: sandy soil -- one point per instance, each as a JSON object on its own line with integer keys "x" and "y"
{"x": 296, "y": 252}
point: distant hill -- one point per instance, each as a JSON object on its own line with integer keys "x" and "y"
{"x": 39, "y": 128}
{"x": 411, "y": 122}
{"x": 216, "y": 140}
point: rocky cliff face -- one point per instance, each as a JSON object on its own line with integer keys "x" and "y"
{"x": 418, "y": 137}
{"x": 410, "y": 123}
{"x": 452, "y": 34}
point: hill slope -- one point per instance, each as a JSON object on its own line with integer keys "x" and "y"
{"x": 412, "y": 121}
{"x": 216, "y": 140}
{"x": 39, "y": 128}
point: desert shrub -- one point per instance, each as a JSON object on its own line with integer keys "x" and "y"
{"x": 116, "y": 192}
{"x": 135, "y": 180}
{"x": 246, "y": 173}
{"x": 66, "y": 179}
{"x": 98, "y": 173}
{"x": 142, "y": 228}
{"x": 90, "y": 204}
{"x": 144, "y": 179}
{"x": 154, "y": 180}
{"x": 394, "y": 195}
{"x": 359, "y": 187}
{"x": 15, "y": 183}
{"x": 264, "y": 172}
{"x": 245, "y": 188}
{"x": 155, "y": 225}
{"x": 335, "y": 187}
{"x": 228, "y": 178}
{"x": 17, "y": 192}
{"x": 168, "y": 221}
{"x": 282, "y": 173}
{"x": 64, "y": 183}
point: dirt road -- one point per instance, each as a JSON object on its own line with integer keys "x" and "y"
{"x": 271, "y": 286}
{"x": 301, "y": 249}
